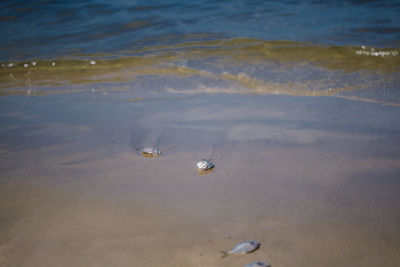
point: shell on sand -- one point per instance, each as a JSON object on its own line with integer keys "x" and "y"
{"x": 204, "y": 166}
{"x": 150, "y": 152}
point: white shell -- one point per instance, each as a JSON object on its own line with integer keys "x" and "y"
{"x": 152, "y": 151}
{"x": 204, "y": 165}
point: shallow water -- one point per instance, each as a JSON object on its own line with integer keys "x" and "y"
{"x": 296, "y": 103}
{"x": 314, "y": 179}
{"x": 239, "y": 66}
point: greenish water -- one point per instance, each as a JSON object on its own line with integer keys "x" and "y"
{"x": 241, "y": 65}
{"x": 312, "y": 48}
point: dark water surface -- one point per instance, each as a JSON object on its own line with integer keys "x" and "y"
{"x": 32, "y": 29}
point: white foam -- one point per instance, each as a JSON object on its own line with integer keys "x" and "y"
{"x": 374, "y": 53}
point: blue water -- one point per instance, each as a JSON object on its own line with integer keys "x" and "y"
{"x": 49, "y": 29}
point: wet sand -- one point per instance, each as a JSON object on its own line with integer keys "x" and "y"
{"x": 314, "y": 179}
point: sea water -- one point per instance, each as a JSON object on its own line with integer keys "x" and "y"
{"x": 342, "y": 48}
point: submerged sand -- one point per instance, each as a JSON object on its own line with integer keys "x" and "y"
{"x": 314, "y": 179}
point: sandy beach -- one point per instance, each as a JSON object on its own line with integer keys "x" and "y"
{"x": 314, "y": 179}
